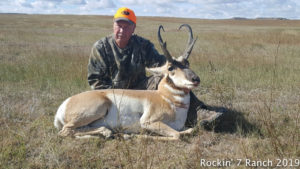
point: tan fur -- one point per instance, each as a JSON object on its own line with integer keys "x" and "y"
{"x": 96, "y": 101}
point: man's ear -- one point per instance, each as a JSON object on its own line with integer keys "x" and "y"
{"x": 134, "y": 26}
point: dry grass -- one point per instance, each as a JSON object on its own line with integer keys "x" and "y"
{"x": 249, "y": 68}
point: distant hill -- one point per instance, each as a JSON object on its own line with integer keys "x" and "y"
{"x": 239, "y": 18}
{"x": 271, "y": 18}
{"x": 260, "y": 18}
{"x": 13, "y": 13}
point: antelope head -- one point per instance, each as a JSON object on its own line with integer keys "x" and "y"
{"x": 177, "y": 69}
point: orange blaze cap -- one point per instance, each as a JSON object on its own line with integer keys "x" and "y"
{"x": 125, "y": 14}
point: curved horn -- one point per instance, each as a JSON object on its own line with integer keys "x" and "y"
{"x": 191, "y": 41}
{"x": 164, "y": 45}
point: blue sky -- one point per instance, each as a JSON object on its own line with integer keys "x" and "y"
{"x": 208, "y": 9}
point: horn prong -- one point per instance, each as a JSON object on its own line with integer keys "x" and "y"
{"x": 191, "y": 41}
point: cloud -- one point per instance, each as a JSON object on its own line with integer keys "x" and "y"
{"x": 54, "y": 1}
{"x": 75, "y": 2}
{"x": 210, "y": 9}
{"x": 97, "y": 4}
{"x": 182, "y": 8}
{"x": 23, "y": 3}
{"x": 153, "y": 7}
{"x": 152, "y": 2}
{"x": 214, "y": 9}
{"x": 44, "y": 4}
{"x": 130, "y": 2}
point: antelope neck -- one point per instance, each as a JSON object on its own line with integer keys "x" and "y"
{"x": 173, "y": 94}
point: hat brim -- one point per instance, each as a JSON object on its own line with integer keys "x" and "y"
{"x": 124, "y": 19}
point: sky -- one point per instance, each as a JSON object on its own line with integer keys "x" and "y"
{"x": 205, "y": 9}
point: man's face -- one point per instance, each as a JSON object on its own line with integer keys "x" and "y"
{"x": 122, "y": 32}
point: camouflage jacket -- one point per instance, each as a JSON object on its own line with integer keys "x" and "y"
{"x": 112, "y": 67}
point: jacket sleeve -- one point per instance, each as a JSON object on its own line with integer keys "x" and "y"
{"x": 153, "y": 58}
{"x": 98, "y": 72}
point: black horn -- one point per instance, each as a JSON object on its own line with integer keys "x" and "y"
{"x": 191, "y": 41}
{"x": 164, "y": 45}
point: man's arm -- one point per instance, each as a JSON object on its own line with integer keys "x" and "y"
{"x": 98, "y": 74}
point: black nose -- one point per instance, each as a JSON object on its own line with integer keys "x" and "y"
{"x": 196, "y": 79}
{"x": 191, "y": 76}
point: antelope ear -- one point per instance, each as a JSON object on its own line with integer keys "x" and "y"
{"x": 155, "y": 70}
{"x": 183, "y": 61}
{"x": 180, "y": 59}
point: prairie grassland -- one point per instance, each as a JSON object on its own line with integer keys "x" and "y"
{"x": 249, "y": 68}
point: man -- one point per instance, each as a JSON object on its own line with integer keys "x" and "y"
{"x": 119, "y": 61}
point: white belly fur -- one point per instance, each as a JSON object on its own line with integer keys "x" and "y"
{"x": 124, "y": 113}
{"x": 180, "y": 113}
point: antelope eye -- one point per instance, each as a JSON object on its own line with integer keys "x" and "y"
{"x": 171, "y": 68}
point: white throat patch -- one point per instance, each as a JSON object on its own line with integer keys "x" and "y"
{"x": 172, "y": 90}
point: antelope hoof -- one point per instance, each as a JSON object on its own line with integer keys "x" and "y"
{"x": 188, "y": 131}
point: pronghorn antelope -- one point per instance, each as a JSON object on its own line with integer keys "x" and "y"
{"x": 162, "y": 111}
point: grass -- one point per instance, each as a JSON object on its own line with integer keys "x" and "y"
{"x": 249, "y": 68}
